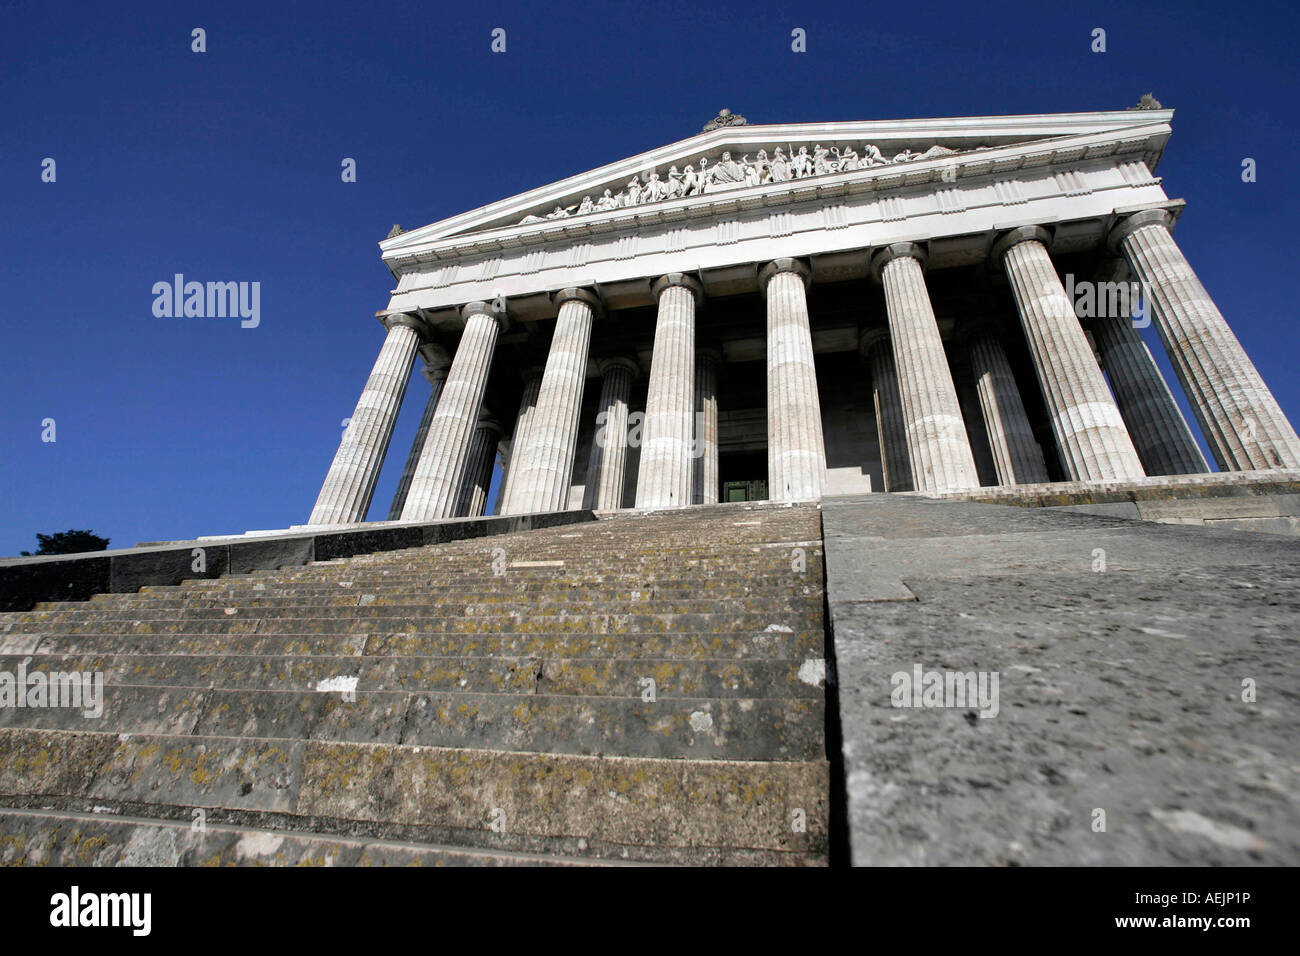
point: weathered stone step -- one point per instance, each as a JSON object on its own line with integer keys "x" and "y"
{"x": 379, "y": 604}
{"x": 592, "y": 577}
{"x": 699, "y": 728}
{"x": 473, "y": 605}
{"x": 685, "y": 580}
{"x": 402, "y": 698}
{"x": 771, "y": 645}
{"x": 68, "y": 838}
{"x": 615, "y": 677}
{"x": 543, "y": 562}
{"x": 590, "y": 573}
{"x": 652, "y": 530}
{"x": 708, "y": 808}
{"x": 371, "y": 618}
{"x": 724, "y": 590}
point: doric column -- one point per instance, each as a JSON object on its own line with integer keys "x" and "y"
{"x": 665, "y": 477}
{"x": 1240, "y": 418}
{"x": 1157, "y": 427}
{"x": 1016, "y": 455}
{"x": 607, "y": 467}
{"x": 544, "y": 463}
{"x": 891, "y": 434}
{"x": 519, "y": 438}
{"x": 1089, "y": 431}
{"x": 436, "y": 364}
{"x": 350, "y": 483}
{"x": 436, "y": 485}
{"x": 938, "y": 448}
{"x": 472, "y": 500}
{"x": 704, "y": 473}
{"x": 796, "y": 450}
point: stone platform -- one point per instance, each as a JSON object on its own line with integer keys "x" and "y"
{"x": 1267, "y": 501}
{"x": 1121, "y": 648}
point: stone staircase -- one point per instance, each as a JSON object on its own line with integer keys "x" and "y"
{"x": 645, "y": 688}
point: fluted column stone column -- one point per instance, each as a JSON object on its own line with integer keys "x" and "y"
{"x": 665, "y": 474}
{"x": 544, "y": 463}
{"x": 796, "y": 449}
{"x": 891, "y": 433}
{"x": 437, "y": 363}
{"x": 938, "y": 448}
{"x": 704, "y": 474}
{"x": 472, "y": 501}
{"x": 519, "y": 437}
{"x": 435, "y": 489}
{"x": 607, "y": 467}
{"x": 1157, "y": 427}
{"x": 1016, "y": 455}
{"x": 1094, "y": 444}
{"x": 1241, "y": 420}
{"x": 350, "y": 483}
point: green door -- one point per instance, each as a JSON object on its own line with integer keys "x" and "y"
{"x": 744, "y": 490}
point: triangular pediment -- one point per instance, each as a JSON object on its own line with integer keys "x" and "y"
{"x": 753, "y": 162}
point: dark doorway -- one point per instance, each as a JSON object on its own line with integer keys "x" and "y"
{"x": 743, "y": 476}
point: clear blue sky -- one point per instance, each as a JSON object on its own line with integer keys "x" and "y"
{"x": 225, "y": 166}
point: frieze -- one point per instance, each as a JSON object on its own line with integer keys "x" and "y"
{"x": 728, "y": 173}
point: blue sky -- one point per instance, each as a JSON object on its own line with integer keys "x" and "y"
{"x": 225, "y": 166}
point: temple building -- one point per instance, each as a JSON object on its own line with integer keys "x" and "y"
{"x": 798, "y": 310}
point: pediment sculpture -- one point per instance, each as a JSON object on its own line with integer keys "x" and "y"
{"x": 729, "y": 172}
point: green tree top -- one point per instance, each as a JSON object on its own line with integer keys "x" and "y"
{"x": 68, "y": 542}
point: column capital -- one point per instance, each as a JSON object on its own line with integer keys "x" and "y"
{"x": 619, "y": 361}
{"x": 582, "y": 295}
{"x": 868, "y": 339}
{"x": 777, "y": 266}
{"x": 678, "y": 279}
{"x": 391, "y": 320}
{"x": 436, "y": 362}
{"x": 897, "y": 250}
{"x": 1016, "y": 236}
{"x": 1116, "y": 269}
{"x": 1130, "y": 224}
{"x": 498, "y": 314}
{"x": 488, "y": 422}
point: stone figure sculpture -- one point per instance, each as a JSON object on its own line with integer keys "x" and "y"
{"x": 675, "y": 187}
{"x": 655, "y": 189}
{"x": 780, "y": 167}
{"x": 727, "y": 170}
{"x": 819, "y": 164}
{"x": 801, "y": 164}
